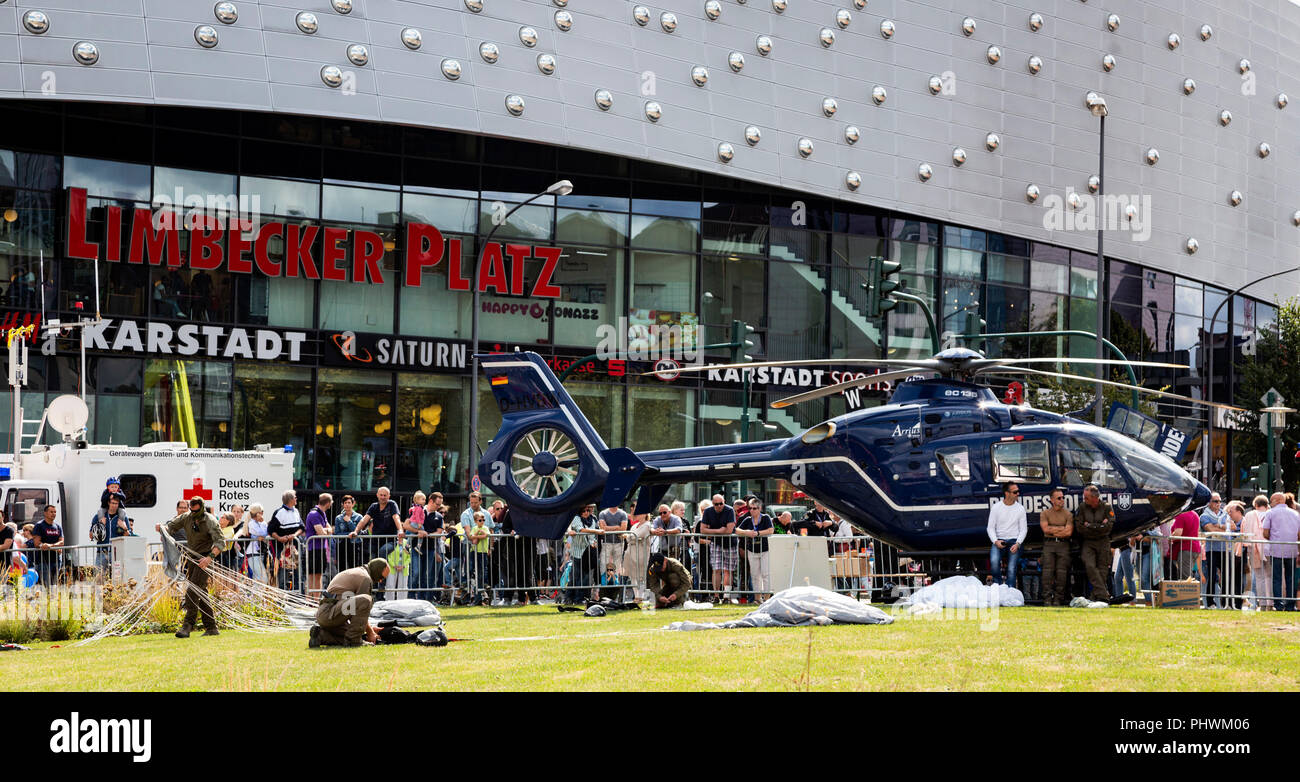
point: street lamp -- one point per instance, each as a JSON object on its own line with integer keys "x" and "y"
{"x": 1097, "y": 105}
{"x": 561, "y": 188}
{"x": 1276, "y": 413}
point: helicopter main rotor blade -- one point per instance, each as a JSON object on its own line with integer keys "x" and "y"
{"x": 929, "y": 364}
{"x": 818, "y": 393}
{"x": 981, "y": 364}
{"x": 1013, "y": 371}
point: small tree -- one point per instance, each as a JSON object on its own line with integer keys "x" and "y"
{"x": 1274, "y": 365}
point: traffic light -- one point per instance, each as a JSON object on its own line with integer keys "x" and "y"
{"x": 739, "y": 329}
{"x": 880, "y": 286}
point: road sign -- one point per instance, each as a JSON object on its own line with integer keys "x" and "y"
{"x": 476, "y": 483}
{"x": 666, "y": 369}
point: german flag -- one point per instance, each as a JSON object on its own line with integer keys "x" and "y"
{"x": 499, "y": 380}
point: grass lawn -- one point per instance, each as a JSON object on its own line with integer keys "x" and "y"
{"x": 538, "y": 648}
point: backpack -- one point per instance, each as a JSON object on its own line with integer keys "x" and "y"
{"x": 392, "y": 634}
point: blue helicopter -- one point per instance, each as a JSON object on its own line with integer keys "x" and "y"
{"x": 919, "y": 472}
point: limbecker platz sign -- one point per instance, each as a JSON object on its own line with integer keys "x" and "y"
{"x": 310, "y": 251}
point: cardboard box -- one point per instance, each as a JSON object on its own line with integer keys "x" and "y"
{"x": 848, "y": 566}
{"x": 1179, "y": 594}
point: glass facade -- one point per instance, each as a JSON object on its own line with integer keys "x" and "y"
{"x": 643, "y": 245}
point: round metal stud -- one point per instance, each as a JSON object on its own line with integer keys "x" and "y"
{"x": 1153, "y": 156}
{"x": 642, "y": 15}
{"x": 1035, "y": 21}
{"x": 489, "y": 52}
{"x": 700, "y": 75}
{"x": 1174, "y": 41}
{"x": 412, "y": 39}
{"x": 653, "y": 111}
{"x": 753, "y": 135}
{"x": 1074, "y": 200}
{"x": 1130, "y": 212}
{"x": 924, "y": 172}
{"x": 992, "y": 142}
{"x": 1295, "y": 219}
{"x": 307, "y": 23}
{"x": 887, "y": 29}
{"x": 935, "y": 85}
{"x": 1189, "y": 86}
{"x": 994, "y": 54}
{"x": 736, "y": 60}
{"x": 859, "y": 4}
{"x": 1235, "y": 198}
{"x": 451, "y": 69}
{"x": 358, "y": 55}
{"x": 1035, "y": 64}
{"x": 515, "y": 105}
{"x": 668, "y": 21}
{"x": 1264, "y": 150}
{"x": 1244, "y": 65}
{"x": 1225, "y": 117}
{"x": 561, "y": 3}
{"x": 958, "y": 156}
{"x": 1192, "y": 245}
{"x": 332, "y": 75}
{"x": 843, "y": 18}
{"x": 85, "y": 53}
{"x": 763, "y": 44}
{"x": 1282, "y": 100}
{"x": 36, "y": 22}
{"x": 226, "y": 13}
{"x": 827, "y": 37}
{"x": 1112, "y": 22}
{"x": 474, "y": 5}
{"x": 726, "y": 152}
{"x": 1206, "y": 32}
{"x": 546, "y": 63}
{"x": 853, "y": 180}
{"x": 604, "y": 99}
{"x": 1094, "y": 183}
{"x": 852, "y": 134}
{"x": 878, "y": 94}
{"x": 345, "y": 6}
{"x": 805, "y": 147}
{"x": 1108, "y": 63}
{"x": 779, "y": 6}
{"x": 206, "y": 36}
{"x": 1031, "y": 193}
{"x": 528, "y": 36}
{"x": 968, "y": 27}
{"x": 564, "y": 21}
{"x": 713, "y": 9}
{"x": 830, "y": 106}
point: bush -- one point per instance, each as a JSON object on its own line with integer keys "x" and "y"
{"x": 17, "y": 631}
{"x": 60, "y": 629}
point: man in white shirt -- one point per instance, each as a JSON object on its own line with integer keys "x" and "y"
{"x": 1007, "y": 529}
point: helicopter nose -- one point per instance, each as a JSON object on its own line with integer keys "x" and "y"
{"x": 1201, "y": 495}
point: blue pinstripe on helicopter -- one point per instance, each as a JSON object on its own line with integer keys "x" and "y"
{"x": 919, "y": 472}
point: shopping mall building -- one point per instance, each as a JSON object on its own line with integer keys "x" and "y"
{"x": 323, "y": 177}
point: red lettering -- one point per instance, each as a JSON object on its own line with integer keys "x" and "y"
{"x": 456, "y": 280}
{"x": 261, "y": 252}
{"x": 617, "y": 367}
{"x": 142, "y": 232}
{"x": 205, "y": 248}
{"x": 492, "y": 270}
{"x": 517, "y": 253}
{"x": 113, "y": 234}
{"x": 550, "y": 258}
{"x": 367, "y": 252}
{"x": 236, "y": 244}
{"x": 298, "y": 241}
{"x": 77, "y": 245}
{"x": 424, "y": 247}
{"x": 333, "y": 253}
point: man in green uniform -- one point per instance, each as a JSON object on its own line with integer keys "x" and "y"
{"x": 203, "y": 538}
{"x": 1094, "y": 522}
{"x": 668, "y": 581}
{"x": 343, "y": 617}
{"x": 1057, "y": 524}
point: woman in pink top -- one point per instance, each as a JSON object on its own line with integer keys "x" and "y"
{"x": 1261, "y": 577}
{"x": 1187, "y": 552}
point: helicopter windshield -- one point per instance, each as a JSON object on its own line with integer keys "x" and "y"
{"x": 1150, "y": 470}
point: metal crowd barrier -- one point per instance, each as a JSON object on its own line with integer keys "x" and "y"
{"x": 67, "y": 583}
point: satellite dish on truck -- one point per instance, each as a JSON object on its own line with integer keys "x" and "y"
{"x": 67, "y": 414}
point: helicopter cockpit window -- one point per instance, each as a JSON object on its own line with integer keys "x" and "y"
{"x": 1083, "y": 463}
{"x": 955, "y": 461}
{"x": 1021, "y": 460}
{"x": 1150, "y": 470}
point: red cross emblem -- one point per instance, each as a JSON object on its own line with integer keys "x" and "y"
{"x": 198, "y": 491}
